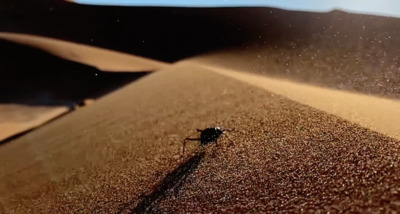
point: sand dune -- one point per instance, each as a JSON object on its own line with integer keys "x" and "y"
{"x": 296, "y": 147}
{"x": 103, "y": 59}
{"x": 36, "y": 86}
{"x": 372, "y": 112}
{"x": 17, "y": 119}
{"x": 118, "y": 149}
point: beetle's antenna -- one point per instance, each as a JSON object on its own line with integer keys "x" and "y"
{"x": 199, "y": 130}
{"x": 189, "y": 139}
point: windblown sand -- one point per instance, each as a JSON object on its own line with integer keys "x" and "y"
{"x": 285, "y": 157}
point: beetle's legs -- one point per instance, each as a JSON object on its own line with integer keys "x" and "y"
{"x": 189, "y": 139}
{"x": 199, "y": 130}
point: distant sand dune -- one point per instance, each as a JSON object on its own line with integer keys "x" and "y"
{"x": 375, "y": 113}
{"x": 103, "y": 59}
{"x": 35, "y": 116}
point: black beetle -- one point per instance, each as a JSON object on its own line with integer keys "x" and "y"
{"x": 208, "y": 135}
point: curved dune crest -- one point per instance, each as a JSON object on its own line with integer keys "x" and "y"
{"x": 103, "y": 59}
{"x": 375, "y": 113}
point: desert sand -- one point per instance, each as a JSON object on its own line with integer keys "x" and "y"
{"x": 103, "y": 59}
{"x": 15, "y": 119}
{"x": 37, "y": 87}
{"x": 375, "y": 113}
{"x": 285, "y": 156}
{"x": 310, "y": 100}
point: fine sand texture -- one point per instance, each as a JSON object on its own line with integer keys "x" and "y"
{"x": 123, "y": 154}
{"x": 103, "y": 59}
{"x": 375, "y": 113}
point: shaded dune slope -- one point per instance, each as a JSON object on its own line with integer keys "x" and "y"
{"x": 34, "y": 77}
{"x": 336, "y": 49}
{"x": 166, "y": 34}
{"x": 36, "y": 87}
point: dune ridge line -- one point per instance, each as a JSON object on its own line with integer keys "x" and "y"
{"x": 103, "y": 59}
{"x": 375, "y": 113}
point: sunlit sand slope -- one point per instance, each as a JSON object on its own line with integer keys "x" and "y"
{"x": 109, "y": 156}
{"x": 376, "y": 113}
{"x": 15, "y": 119}
{"x": 103, "y": 59}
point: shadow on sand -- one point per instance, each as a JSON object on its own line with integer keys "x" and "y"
{"x": 33, "y": 77}
{"x": 170, "y": 185}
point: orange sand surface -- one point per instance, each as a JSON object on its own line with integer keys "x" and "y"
{"x": 103, "y": 59}
{"x": 17, "y": 116}
{"x": 113, "y": 156}
{"x": 372, "y": 112}
{"x": 16, "y": 119}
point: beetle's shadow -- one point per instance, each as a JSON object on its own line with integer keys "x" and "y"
{"x": 169, "y": 186}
